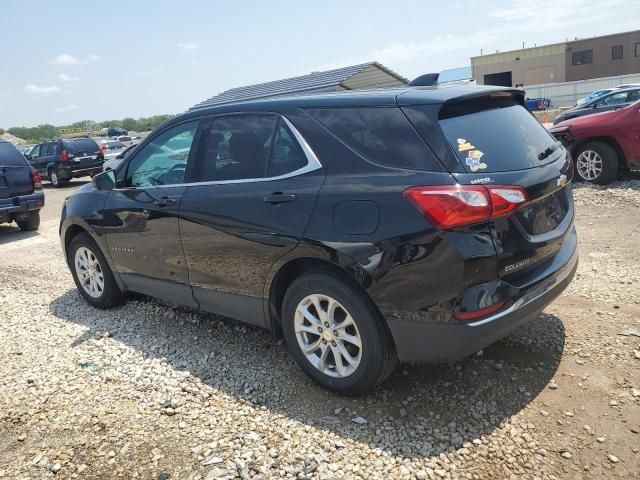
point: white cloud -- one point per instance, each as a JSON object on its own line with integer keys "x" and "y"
{"x": 41, "y": 88}
{"x": 63, "y": 77}
{"x": 189, "y": 46}
{"x": 67, "y": 59}
{"x": 66, "y": 108}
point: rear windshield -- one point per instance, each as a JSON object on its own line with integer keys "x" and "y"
{"x": 10, "y": 156}
{"x": 496, "y": 136}
{"x": 383, "y": 135}
{"x": 81, "y": 145}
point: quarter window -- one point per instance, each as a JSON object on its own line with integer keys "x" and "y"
{"x": 616, "y": 52}
{"x": 163, "y": 161}
{"x": 583, "y": 57}
{"x": 383, "y": 135}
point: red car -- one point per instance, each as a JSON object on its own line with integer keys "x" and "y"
{"x": 602, "y": 143}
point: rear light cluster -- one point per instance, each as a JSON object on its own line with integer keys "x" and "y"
{"x": 35, "y": 179}
{"x": 449, "y": 206}
{"x": 64, "y": 156}
{"x": 102, "y": 149}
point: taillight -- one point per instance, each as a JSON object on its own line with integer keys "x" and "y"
{"x": 64, "y": 156}
{"x": 448, "y": 206}
{"x": 102, "y": 149}
{"x": 35, "y": 178}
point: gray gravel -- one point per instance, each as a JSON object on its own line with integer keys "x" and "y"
{"x": 151, "y": 391}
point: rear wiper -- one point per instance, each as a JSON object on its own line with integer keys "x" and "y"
{"x": 549, "y": 151}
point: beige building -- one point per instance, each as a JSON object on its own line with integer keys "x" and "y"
{"x": 609, "y": 55}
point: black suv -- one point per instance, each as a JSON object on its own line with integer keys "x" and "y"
{"x": 21, "y": 196}
{"x": 63, "y": 159}
{"x": 418, "y": 224}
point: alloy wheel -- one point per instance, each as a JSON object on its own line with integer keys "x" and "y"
{"x": 89, "y": 272}
{"x": 589, "y": 165}
{"x": 328, "y": 336}
{"x": 54, "y": 178}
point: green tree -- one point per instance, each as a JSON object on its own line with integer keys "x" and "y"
{"x": 130, "y": 124}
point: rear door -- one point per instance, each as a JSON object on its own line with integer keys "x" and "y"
{"x": 15, "y": 174}
{"x": 497, "y": 141}
{"x": 259, "y": 183}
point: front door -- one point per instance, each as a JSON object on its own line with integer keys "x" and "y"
{"x": 141, "y": 216}
{"x": 257, "y": 194}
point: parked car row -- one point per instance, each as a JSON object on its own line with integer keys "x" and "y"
{"x": 598, "y": 93}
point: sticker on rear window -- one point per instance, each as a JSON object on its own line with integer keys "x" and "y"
{"x": 473, "y": 160}
{"x": 464, "y": 145}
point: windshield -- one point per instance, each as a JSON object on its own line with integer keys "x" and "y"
{"x": 499, "y": 139}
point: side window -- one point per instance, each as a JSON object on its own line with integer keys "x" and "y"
{"x": 163, "y": 161}
{"x": 35, "y": 152}
{"x": 287, "y": 155}
{"x": 615, "y": 99}
{"x": 381, "y": 134}
{"x": 634, "y": 95}
{"x": 239, "y": 147}
{"x": 52, "y": 149}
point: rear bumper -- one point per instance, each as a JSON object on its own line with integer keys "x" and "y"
{"x": 432, "y": 342}
{"x": 21, "y": 204}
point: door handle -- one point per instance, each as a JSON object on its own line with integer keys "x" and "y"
{"x": 279, "y": 197}
{"x": 165, "y": 202}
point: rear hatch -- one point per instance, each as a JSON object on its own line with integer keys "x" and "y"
{"x": 15, "y": 174}
{"x": 493, "y": 140}
{"x": 83, "y": 153}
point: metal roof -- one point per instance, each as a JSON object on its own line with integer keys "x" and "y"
{"x": 363, "y": 76}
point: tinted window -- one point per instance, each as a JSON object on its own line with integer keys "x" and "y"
{"x": 286, "y": 155}
{"x": 634, "y": 95}
{"x": 239, "y": 147}
{"x": 52, "y": 149}
{"x": 10, "y": 156}
{"x": 82, "y": 145}
{"x": 35, "y": 152}
{"x": 496, "y": 139}
{"x": 163, "y": 161}
{"x": 383, "y": 135}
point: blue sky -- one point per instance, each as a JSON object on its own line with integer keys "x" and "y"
{"x": 64, "y": 61}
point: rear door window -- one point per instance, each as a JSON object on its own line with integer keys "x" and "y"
{"x": 10, "y": 156}
{"x": 239, "y": 147}
{"x": 383, "y": 135}
{"x": 615, "y": 99}
{"x": 490, "y": 135}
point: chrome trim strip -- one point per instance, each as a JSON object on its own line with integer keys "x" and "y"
{"x": 313, "y": 164}
{"x": 522, "y": 301}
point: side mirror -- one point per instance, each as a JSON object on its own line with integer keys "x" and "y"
{"x": 105, "y": 180}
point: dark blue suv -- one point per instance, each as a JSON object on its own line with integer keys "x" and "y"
{"x": 366, "y": 228}
{"x": 21, "y": 196}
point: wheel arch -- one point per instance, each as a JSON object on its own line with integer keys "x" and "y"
{"x": 291, "y": 267}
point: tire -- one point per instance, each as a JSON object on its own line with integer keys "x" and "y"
{"x": 373, "y": 361}
{"x": 107, "y": 296}
{"x": 596, "y": 162}
{"x": 31, "y": 223}
{"x": 55, "y": 180}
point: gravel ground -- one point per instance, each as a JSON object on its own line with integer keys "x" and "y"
{"x": 154, "y": 392}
